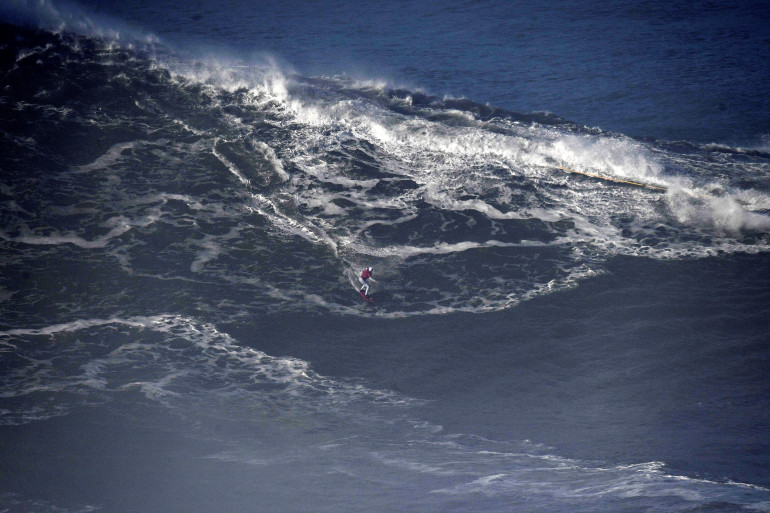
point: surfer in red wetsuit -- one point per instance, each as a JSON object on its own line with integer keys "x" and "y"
{"x": 365, "y": 278}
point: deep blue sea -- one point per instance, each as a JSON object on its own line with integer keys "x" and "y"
{"x": 566, "y": 205}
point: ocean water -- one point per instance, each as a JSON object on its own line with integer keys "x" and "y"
{"x": 567, "y": 206}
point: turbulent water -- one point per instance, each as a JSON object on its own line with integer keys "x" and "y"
{"x": 565, "y": 319}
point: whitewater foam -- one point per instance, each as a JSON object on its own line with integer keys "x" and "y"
{"x": 171, "y": 359}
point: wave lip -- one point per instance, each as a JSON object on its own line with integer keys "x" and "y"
{"x": 62, "y": 16}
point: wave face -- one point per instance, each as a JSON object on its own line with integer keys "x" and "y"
{"x": 149, "y": 199}
{"x": 283, "y": 187}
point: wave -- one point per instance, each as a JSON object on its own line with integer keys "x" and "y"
{"x": 460, "y": 206}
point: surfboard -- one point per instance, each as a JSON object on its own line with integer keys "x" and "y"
{"x": 365, "y": 297}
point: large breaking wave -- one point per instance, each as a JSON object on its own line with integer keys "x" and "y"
{"x": 286, "y": 186}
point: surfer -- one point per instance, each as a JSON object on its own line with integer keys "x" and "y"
{"x": 365, "y": 278}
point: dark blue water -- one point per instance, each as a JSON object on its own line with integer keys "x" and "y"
{"x": 674, "y": 70}
{"x": 567, "y": 207}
